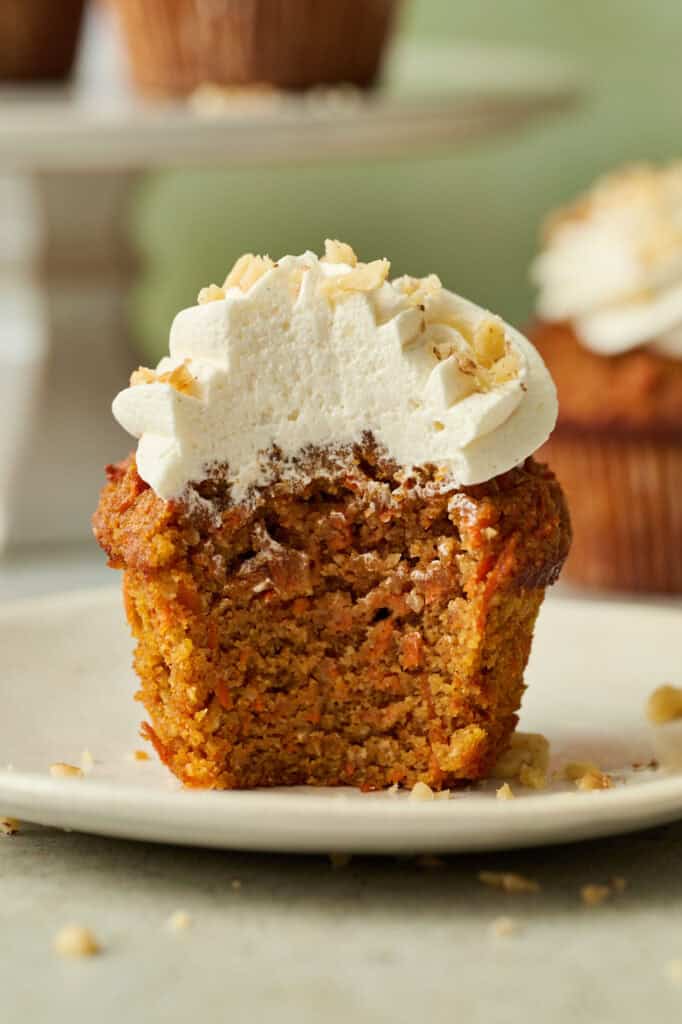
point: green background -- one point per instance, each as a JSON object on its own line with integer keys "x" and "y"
{"x": 472, "y": 217}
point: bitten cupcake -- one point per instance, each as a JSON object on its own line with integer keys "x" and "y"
{"x": 610, "y": 330}
{"x": 177, "y": 45}
{"x": 334, "y": 538}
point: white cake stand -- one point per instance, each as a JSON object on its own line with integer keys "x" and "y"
{"x": 70, "y": 159}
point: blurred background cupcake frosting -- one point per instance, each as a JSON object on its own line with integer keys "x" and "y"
{"x": 609, "y": 278}
{"x": 190, "y": 131}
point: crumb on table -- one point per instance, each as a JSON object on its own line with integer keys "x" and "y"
{"x": 179, "y": 921}
{"x": 505, "y": 792}
{"x": 503, "y": 927}
{"x": 420, "y": 791}
{"x": 509, "y": 881}
{"x": 9, "y": 826}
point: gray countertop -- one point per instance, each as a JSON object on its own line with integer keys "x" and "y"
{"x": 379, "y": 939}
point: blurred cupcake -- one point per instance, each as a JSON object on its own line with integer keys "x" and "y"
{"x": 36, "y": 42}
{"x": 609, "y": 328}
{"x": 177, "y": 45}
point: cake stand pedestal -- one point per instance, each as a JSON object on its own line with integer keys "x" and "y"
{"x": 71, "y": 160}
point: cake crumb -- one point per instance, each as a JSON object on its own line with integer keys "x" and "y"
{"x": 74, "y": 940}
{"x": 527, "y": 760}
{"x": 9, "y": 826}
{"x": 394, "y": 789}
{"x": 594, "y": 895}
{"x": 338, "y": 252}
{"x": 509, "y": 881}
{"x": 595, "y": 779}
{"x": 87, "y": 762}
{"x": 60, "y": 770}
{"x": 420, "y": 791}
{"x": 503, "y": 927}
{"x": 236, "y": 884}
{"x": 179, "y": 921}
{"x": 673, "y": 969}
{"x": 140, "y": 755}
{"x": 505, "y": 792}
{"x": 664, "y": 704}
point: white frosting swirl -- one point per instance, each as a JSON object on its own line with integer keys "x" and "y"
{"x": 316, "y": 353}
{"x": 612, "y": 263}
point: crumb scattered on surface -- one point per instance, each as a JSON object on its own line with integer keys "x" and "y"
{"x": 9, "y": 826}
{"x": 443, "y": 794}
{"x": 509, "y": 881}
{"x": 673, "y": 969}
{"x": 420, "y": 791}
{"x": 527, "y": 760}
{"x": 60, "y": 770}
{"x": 503, "y": 927}
{"x": 648, "y": 766}
{"x": 594, "y": 895}
{"x": 505, "y": 792}
{"x": 179, "y": 920}
{"x": 664, "y": 704}
{"x": 87, "y": 762}
{"x": 392, "y": 790}
{"x": 74, "y": 940}
{"x": 595, "y": 779}
{"x": 236, "y": 883}
{"x": 574, "y": 770}
{"x": 140, "y": 755}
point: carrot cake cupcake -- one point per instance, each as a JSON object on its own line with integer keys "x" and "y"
{"x": 610, "y": 330}
{"x": 177, "y": 45}
{"x": 334, "y": 538}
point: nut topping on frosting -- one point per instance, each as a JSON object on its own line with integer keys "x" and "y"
{"x": 611, "y": 262}
{"x": 310, "y": 352}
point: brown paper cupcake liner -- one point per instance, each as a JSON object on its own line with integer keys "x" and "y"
{"x": 38, "y": 38}
{"x": 177, "y": 45}
{"x": 625, "y": 499}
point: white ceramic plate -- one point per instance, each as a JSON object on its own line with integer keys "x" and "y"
{"x": 66, "y": 685}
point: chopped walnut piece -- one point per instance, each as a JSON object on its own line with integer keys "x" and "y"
{"x": 179, "y": 378}
{"x": 594, "y": 895}
{"x": 664, "y": 704}
{"x": 247, "y": 270}
{"x": 526, "y": 760}
{"x": 420, "y": 791}
{"x": 74, "y": 940}
{"x": 574, "y": 770}
{"x": 509, "y": 881}
{"x": 505, "y": 792}
{"x": 59, "y": 770}
{"x": 506, "y": 368}
{"x": 365, "y": 277}
{"x": 142, "y": 375}
{"x": 9, "y": 826}
{"x": 338, "y": 252}
{"x": 594, "y": 780}
{"x": 140, "y": 755}
{"x": 212, "y": 293}
{"x": 489, "y": 341}
{"x": 179, "y": 921}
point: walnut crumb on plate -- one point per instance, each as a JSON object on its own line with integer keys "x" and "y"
{"x": 420, "y": 791}
{"x": 505, "y": 792}
{"x": 60, "y": 770}
{"x": 664, "y": 704}
{"x": 74, "y": 940}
